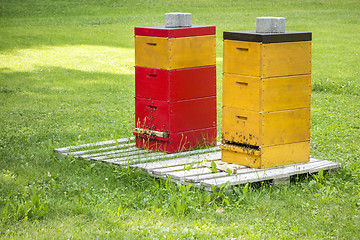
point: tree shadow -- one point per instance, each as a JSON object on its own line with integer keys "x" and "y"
{"x": 57, "y": 105}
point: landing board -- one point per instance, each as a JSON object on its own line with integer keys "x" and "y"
{"x": 192, "y": 167}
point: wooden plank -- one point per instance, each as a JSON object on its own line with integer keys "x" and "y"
{"x": 104, "y": 143}
{"x": 167, "y": 156}
{"x": 250, "y": 170}
{"x": 253, "y": 174}
{"x": 136, "y": 152}
{"x": 176, "y": 162}
{"x": 105, "y": 149}
{"x": 151, "y": 132}
{"x": 160, "y": 171}
{"x": 223, "y": 166}
{"x": 178, "y": 168}
{"x": 193, "y": 172}
{"x": 180, "y": 161}
{"x": 268, "y": 174}
{"x": 128, "y": 163}
{"x": 199, "y": 178}
{"x": 104, "y": 154}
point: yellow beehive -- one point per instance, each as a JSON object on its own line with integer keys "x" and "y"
{"x": 266, "y": 98}
{"x": 175, "y": 53}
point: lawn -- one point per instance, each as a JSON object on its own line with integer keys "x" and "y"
{"x": 67, "y": 78}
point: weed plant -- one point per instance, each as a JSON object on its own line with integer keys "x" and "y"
{"x": 67, "y": 78}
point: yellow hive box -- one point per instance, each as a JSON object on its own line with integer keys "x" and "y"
{"x": 265, "y": 129}
{"x": 267, "y": 59}
{"x": 266, "y": 94}
{"x": 175, "y": 53}
{"x": 266, "y": 157}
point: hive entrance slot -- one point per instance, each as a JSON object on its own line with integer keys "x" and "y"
{"x": 242, "y": 117}
{"x": 151, "y": 75}
{"x": 242, "y": 49}
{"x": 152, "y": 108}
{"x": 242, "y": 83}
{"x": 151, "y": 44}
{"x": 242, "y": 145}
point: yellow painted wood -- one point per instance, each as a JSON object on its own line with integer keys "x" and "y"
{"x": 286, "y": 154}
{"x": 151, "y": 52}
{"x": 267, "y": 60}
{"x": 241, "y": 57}
{"x": 285, "y": 93}
{"x": 192, "y": 52}
{"x": 240, "y": 158}
{"x": 285, "y": 127}
{"x": 241, "y": 126}
{"x": 175, "y": 53}
{"x": 273, "y": 156}
{"x": 265, "y": 129}
{"x": 285, "y": 59}
{"x": 266, "y": 94}
{"x": 241, "y": 92}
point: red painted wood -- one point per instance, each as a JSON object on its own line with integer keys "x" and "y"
{"x": 178, "y": 116}
{"x": 152, "y": 114}
{"x": 193, "y": 114}
{"x": 161, "y": 31}
{"x": 178, "y": 142}
{"x": 175, "y": 85}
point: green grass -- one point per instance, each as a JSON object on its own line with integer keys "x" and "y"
{"x": 67, "y": 78}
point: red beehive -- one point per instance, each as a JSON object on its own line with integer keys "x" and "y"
{"x": 175, "y": 87}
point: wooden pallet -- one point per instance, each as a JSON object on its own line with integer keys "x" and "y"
{"x": 202, "y": 167}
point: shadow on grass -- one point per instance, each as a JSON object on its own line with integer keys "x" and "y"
{"x": 57, "y": 80}
{"x": 54, "y": 107}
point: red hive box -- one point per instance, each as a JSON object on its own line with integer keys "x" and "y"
{"x": 175, "y": 97}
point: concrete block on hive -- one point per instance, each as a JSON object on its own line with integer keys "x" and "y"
{"x": 270, "y": 25}
{"x": 176, "y": 19}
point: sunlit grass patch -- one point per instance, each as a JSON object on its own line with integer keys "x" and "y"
{"x": 87, "y": 58}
